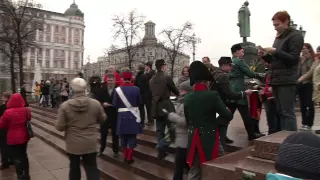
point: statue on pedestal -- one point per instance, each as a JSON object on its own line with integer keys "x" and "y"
{"x": 244, "y": 21}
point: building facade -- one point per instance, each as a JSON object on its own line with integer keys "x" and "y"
{"x": 61, "y": 45}
{"x": 150, "y": 50}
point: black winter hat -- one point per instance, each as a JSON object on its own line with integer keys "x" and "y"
{"x": 225, "y": 60}
{"x": 299, "y": 156}
{"x": 199, "y": 72}
{"x": 160, "y": 62}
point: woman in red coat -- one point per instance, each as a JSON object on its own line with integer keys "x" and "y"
{"x": 15, "y": 119}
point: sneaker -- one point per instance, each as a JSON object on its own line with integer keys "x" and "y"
{"x": 305, "y": 128}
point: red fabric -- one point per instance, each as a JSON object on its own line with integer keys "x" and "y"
{"x": 127, "y": 84}
{"x": 255, "y": 105}
{"x": 267, "y": 93}
{"x": 127, "y": 75}
{"x": 130, "y": 153}
{"x": 200, "y": 87}
{"x": 14, "y": 119}
{"x": 196, "y": 143}
{"x": 125, "y": 152}
{"x": 117, "y": 77}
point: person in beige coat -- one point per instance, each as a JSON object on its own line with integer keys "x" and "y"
{"x": 316, "y": 79}
{"x": 78, "y": 117}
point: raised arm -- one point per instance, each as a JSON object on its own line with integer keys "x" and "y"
{"x": 226, "y": 90}
{"x": 172, "y": 87}
{"x": 244, "y": 68}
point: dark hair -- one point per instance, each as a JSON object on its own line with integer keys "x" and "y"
{"x": 141, "y": 67}
{"x": 182, "y": 70}
{"x": 207, "y": 58}
{"x": 282, "y": 16}
{"x": 309, "y": 47}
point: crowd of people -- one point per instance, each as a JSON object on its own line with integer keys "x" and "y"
{"x": 207, "y": 98}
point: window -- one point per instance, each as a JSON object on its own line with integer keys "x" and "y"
{"x": 76, "y": 65}
{"x": 55, "y": 64}
{"x": 56, "y": 52}
{"x": 76, "y": 54}
{"x": 32, "y": 63}
{"x": 47, "y": 64}
{"x": 48, "y": 38}
{"x": 62, "y": 53}
{"x": 77, "y": 32}
{"x": 63, "y": 30}
{"x": 47, "y": 52}
{"x": 62, "y": 64}
{"x": 57, "y": 29}
{"x": 76, "y": 42}
{"x": 48, "y": 28}
{"x": 56, "y": 39}
{"x": 40, "y": 52}
{"x": 63, "y": 40}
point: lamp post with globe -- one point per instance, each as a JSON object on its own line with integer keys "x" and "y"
{"x": 295, "y": 26}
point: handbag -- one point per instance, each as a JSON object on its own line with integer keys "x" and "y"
{"x": 28, "y": 126}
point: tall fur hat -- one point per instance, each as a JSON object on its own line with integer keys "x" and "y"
{"x": 199, "y": 72}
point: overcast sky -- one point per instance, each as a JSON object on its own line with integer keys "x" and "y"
{"x": 215, "y": 21}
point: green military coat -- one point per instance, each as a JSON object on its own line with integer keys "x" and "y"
{"x": 200, "y": 108}
{"x": 239, "y": 70}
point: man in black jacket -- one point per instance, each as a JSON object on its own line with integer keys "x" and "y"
{"x": 285, "y": 51}
{"x": 105, "y": 96}
{"x": 147, "y": 95}
{"x": 5, "y": 159}
{"x": 142, "y": 82}
{"x": 95, "y": 84}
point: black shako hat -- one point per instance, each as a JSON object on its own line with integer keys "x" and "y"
{"x": 236, "y": 47}
{"x": 298, "y": 156}
{"x": 225, "y": 60}
{"x": 160, "y": 62}
{"x": 199, "y": 72}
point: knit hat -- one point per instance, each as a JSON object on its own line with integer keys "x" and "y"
{"x": 299, "y": 156}
{"x": 186, "y": 86}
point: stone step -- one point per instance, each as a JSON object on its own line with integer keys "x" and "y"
{"x": 267, "y": 147}
{"x": 143, "y": 139}
{"x": 148, "y": 138}
{"x": 256, "y": 167}
{"x": 223, "y": 168}
{"x": 142, "y": 152}
{"x": 107, "y": 170}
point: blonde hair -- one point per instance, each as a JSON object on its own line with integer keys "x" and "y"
{"x": 78, "y": 85}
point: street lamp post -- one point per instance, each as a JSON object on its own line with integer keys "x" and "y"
{"x": 295, "y": 26}
{"x": 194, "y": 40}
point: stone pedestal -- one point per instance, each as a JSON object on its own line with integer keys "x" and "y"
{"x": 256, "y": 160}
{"x": 251, "y": 55}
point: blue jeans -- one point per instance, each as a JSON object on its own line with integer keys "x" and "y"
{"x": 161, "y": 123}
{"x": 284, "y": 96}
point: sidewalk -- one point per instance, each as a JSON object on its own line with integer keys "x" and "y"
{"x": 46, "y": 163}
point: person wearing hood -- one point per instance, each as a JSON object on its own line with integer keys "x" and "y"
{"x": 298, "y": 158}
{"x": 127, "y": 99}
{"x": 14, "y": 119}
{"x": 78, "y": 117}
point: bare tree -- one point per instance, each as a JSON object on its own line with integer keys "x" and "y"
{"x": 127, "y": 29}
{"x": 23, "y": 20}
{"x": 175, "y": 41}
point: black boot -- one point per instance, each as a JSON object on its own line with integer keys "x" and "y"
{"x": 19, "y": 169}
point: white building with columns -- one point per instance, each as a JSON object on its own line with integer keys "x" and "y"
{"x": 61, "y": 45}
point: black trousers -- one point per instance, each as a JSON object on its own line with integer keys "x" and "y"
{"x": 180, "y": 163}
{"x": 64, "y": 98}
{"x": 4, "y": 148}
{"x": 89, "y": 164}
{"x": 104, "y": 127}
{"x": 273, "y": 118}
{"x": 53, "y": 101}
{"x": 20, "y": 160}
{"x": 306, "y": 103}
{"x": 246, "y": 117}
{"x": 142, "y": 113}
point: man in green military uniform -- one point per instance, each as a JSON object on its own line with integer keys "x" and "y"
{"x": 239, "y": 70}
{"x": 201, "y": 108}
{"x": 222, "y": 86}
{"x": 161, "y": 86}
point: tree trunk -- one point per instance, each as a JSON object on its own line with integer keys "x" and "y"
{"x": 130, "y": 63}
{"x": 13, "y": 78}
{"x": 172, "y": 68}
{"x": 20, "y": 56}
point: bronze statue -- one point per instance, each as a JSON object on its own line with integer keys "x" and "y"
{"x": 244, "y": 21}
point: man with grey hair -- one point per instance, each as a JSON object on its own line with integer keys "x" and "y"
{"x": 112, "y": 70}
{"x": 78, "y": 117}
